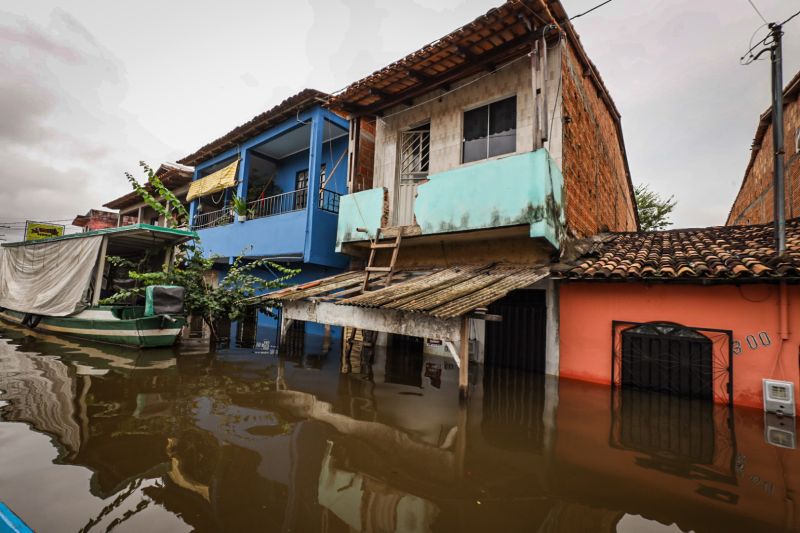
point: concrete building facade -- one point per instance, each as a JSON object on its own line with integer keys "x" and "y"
{"x": 494, "y": 147}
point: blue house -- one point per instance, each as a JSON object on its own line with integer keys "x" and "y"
{"x": 289, "y": 166}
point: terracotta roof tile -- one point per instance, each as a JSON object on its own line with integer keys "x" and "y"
{"x": 721, "y": 252}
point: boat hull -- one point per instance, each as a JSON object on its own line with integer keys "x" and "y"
{"x": 100, "y": 326}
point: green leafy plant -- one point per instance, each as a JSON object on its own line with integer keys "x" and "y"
{"x": 191, "y": 269}
{"x": 239, "y": 205}
{"x": 653, "y": 209}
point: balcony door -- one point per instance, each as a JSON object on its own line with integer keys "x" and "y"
{"x": 415, "y": 149}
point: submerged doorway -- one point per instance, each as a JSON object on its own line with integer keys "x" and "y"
{"x": 519, "y": 341}
{"x": 667, "y": 358}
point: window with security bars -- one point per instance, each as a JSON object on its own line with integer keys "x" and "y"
{"x": 490, "y": 130}
{"x": 415, "y": 152}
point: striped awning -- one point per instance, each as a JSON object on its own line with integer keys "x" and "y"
{"x": 215, "y": 182}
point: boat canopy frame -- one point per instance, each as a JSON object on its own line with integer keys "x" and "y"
{"x": 123, "y": 240}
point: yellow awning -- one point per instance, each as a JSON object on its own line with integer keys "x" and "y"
{"x": 219, "y": 180}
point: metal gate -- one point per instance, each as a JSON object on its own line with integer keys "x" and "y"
{"x": 673, "y": 359}
{"x": 519, "y": 341}
{"x": 415, "y": 148}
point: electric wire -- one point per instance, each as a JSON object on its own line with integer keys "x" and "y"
{"x": 598, "y": 6}
{"x": 757, "y": 11}
{"x": 790, "y": 18}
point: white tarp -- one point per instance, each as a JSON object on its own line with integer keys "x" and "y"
{"x": 50, "y": 278}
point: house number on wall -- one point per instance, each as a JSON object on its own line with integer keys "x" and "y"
{"x": 753, "y": 342}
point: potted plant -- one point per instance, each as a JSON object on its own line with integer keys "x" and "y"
{"x": 239, "y": 207}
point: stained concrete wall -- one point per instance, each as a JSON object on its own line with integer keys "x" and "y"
{"x": 446, "y": 115}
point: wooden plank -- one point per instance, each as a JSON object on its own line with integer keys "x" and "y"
{"x": 489, "y": 294}
{"x": 98, "y": 276}
{"x": 408, "y": 288}
{"x": 384, "y": 320}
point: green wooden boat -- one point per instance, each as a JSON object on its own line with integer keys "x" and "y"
{"x": 116, "y": 325}
{"x": 55, "y": 285}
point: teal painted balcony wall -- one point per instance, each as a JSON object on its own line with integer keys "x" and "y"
{"x": 508, "y": 191}
{"x": 359, "y": 210}
{"x": 519, "y": 189}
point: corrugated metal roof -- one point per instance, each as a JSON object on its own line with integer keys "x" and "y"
{"x": 441, "y": 293}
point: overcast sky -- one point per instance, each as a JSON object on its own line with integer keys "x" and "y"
{"x": 89, "y": 88}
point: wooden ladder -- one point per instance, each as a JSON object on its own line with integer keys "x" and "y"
{"x": 374, "y": 247}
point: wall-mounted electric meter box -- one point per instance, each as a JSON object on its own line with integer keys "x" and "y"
{"x": 779, "y": 397}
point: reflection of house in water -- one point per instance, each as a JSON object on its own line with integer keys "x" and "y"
{"x": 40, "y": 392}
{"x": 234, "y": 443}
{"x": 366, "y": 504}
{"x": 680, "y": 436}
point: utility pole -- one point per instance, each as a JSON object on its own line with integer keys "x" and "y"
{"x": 779, "y": 191}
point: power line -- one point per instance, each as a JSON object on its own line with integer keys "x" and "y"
{"x": 757, "y": 11}
{"x": 790, "y": 18}
{"x": 598, "y": 6}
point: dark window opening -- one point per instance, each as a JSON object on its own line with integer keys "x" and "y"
{"x": 301, "y": 189}
{"x": 490, "y": 130}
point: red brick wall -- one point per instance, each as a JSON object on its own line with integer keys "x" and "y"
{"x": 598, "y": 194}
{"x": 362, "y": 169}
{"x": 754, "y": 203}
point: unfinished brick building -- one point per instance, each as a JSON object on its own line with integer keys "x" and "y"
{"x": 493, "y": 146}
{"x": 754, "y": 202}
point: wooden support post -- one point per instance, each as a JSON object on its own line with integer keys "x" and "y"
{"x": 98, "y": 275}
{"x": 286, "y": 323}
{"x": 463, "y": 353}
{"x": 169, "y": 253}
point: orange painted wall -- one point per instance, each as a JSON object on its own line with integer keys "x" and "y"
{"x": 588, "y": 309}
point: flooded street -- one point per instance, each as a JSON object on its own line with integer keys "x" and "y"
{"x": 95, "y": 438}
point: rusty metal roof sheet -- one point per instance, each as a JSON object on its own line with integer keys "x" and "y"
{"x": 442, "y": 293}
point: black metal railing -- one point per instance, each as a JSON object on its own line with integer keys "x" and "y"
{"x": 329, "y": 200}
{"x": 278, "y": 204}
{"x": 270, "y": 206}
{"x": 212, "y": 219}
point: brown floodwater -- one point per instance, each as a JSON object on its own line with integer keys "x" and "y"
{"x": 95, "y": 438}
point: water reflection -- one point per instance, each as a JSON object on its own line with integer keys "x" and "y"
{"x": 245, "y": 440}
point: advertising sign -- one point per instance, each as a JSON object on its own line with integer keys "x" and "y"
{"x": 35, "y": 231}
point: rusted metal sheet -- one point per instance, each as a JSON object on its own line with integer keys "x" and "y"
{"x": 512, "y": 281}
{"x": 400, "y": 290}
{"x": 445, "y": 293}
{"x": 318, "y": 287}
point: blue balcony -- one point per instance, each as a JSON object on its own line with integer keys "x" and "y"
{"x": 522, "y": 189}
{"x": 291, "y": 179}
